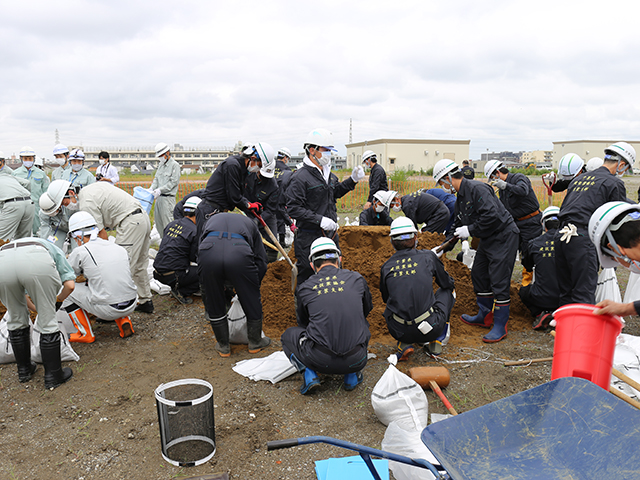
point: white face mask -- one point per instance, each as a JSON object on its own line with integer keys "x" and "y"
{"x": 72, "y": 207}
{"x": 325, "y": 159}
{"x": 379, "y": 208}
{"x": 397, "y": 208}
{"x": 102, "y": 161}
{"x": 253, "y": 168}
{"x": 27, "y": 164}
{"x": 76, "y": 167}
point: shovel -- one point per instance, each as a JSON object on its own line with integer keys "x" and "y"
{"x": 549, "y": 191}
{"x": 294, "y": 269}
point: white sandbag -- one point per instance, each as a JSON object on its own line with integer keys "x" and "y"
{"x": 155, "y": 236}
{"x": 608, "y": 288}
{"x": 468, "y": 254}
{"x": 155, "y": 285}
{"x": 6, "y": 351}
{"x": 237, "y": 323}
{"x": 632, "y": 292}
{"x": 397, "y": 396}
{"x": 402, "y": 439}
{"x": 273, "y": 368}
{"x": 67, "y": 354}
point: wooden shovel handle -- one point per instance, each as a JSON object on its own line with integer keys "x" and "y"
{"x": 436, "y": 388}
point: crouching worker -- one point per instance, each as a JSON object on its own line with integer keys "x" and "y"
{"x": 414, "y": 313}
{"x": 231, "y": 251}
{"x": 332, "y": 333}
{"x": 109, "y": 292}
{"x": 378, "y": 212}
{"x": 178, "y": 249}
{"x": 39, "y": 267}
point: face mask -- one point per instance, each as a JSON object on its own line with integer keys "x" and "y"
{"x": 397, "y": 208}
{"x": 634, "y": 267}
{"x": 102, "y": 161}
{"x": 72, "y": 207}
{"x": 379, "y": 208}
{"x": 76, "y": 168}
{"x": 325, "y": 159}
{"x": 253, "y": 168}
{"x": 27, "y": 164}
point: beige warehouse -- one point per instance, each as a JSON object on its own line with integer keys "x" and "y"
{"x": 407, "y": 154}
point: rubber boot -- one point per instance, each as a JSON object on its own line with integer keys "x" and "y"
{"x": 499, "y": 329}
{"x": 54, "y": 374}
{"x": 125, "y": 326}
{"x": 527, "y": 277}
{"x": 80, "y": 320}
{"x": 21, "y": 345}
{"x": 352, "y": 380}
{"x": 435, "y": 348}
{"x": 311, "y": 381}
{"x": 254, "y": 333}
{"x": 403, "y": 351}
{"x": 484, "y": 317}
{"x": 220, "y": 327}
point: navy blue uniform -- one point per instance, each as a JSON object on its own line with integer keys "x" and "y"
{"x": 541, "y": 295}
{"x": 332, "y": 333}
{"x": 487, "y": 219}
{"x": 178, "y": 211}
{"x": 377, "y": 181}
{"x": 449, "y": 199}
{"x": 179, "y": 247}
{"x": 309, "y": 198}
{"x": 371, "y": 217}
{"x": 265, "y": 191}
{"x": 577, "y": 261}
{"x": 521, "y": 202}
{"x": 406, "y": 286}
{"x": 283, "y": 177}
{"x": 424, "y": 208}
{"x": 231, "y": 250}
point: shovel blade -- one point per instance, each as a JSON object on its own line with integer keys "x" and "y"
{"x": 294, "y": 277}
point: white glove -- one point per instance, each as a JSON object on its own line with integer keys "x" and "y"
{"x": 328, "y": 225}
{"x": 156, "y": 193}
{"x": 437, "y": 252}
{"x": 501, "y": 184}
{"x": 568, "y": 232}
{"x": 550, "y": 178}
{"x": 357, "y": 174}
{"x": 462, "y": 232}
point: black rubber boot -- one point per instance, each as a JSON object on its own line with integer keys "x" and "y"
{"x": 21, "y": 345}
{"x": 254, "y": 333}
{"x": 54, "y": 374}
{"x": 220, "y": 327}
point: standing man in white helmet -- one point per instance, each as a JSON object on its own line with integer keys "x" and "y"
{"x": 283, "y": 177}
{"x": 517, "y": 195}
{"x": 480, "y": 214}
{"x": 16, "y": 206}
{"x": 311, "y": 197}
{"x": 61, "y": 154}
{"x": 36, "y": 177}
{"x": 79, "y": 176}
{"x": 569, "y": 167}
{"x": 109, "y": 292}
{"x": 115, "y": 209}
{"x": 164, "y": 187}
{"x": 377, "y": 176}
{"x": 576, "y": 258}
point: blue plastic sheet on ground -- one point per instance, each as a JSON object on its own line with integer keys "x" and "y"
{"x": 350, "y": 468}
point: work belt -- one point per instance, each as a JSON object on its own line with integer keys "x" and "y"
{"x": 9, "y": 246}
{"x": 135, "y": 212}
{"x": 122, "y": 305}
{"x": 531, "y": 215}
{"x": 16, "y": 199}
{"x": 226, "y": 235}
{"x": 325, "y": 350}
{"x": 166, "y": 195}
{"x": 416, "y": 320}
{"x": 164, "y": 274}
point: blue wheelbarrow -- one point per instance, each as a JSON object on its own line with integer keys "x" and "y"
{"x": 568, "y": 428}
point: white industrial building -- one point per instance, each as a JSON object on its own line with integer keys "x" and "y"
{"x": 586, "y": 149}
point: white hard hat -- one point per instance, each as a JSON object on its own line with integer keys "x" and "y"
{"x": 39, "y": 162}
{"x": 570, "y": 165}
{"x": 192, "y": 203}
{"x": 402, "y": 226}
{"x": 320, "y": 137}
{"x": 284, "y": 152}
{"x": 623, "y": 149}
{"x": 594, "y": 163}
{"x": 161, "y": 149}
{"x": 51, "y": 200}
{"x": 267, "y": 156}
{"x": 385, "y": 197}
{"x": 27, "y": 152}
{"x": 550, "y": 213}
{"x": 81, "y": 221}
{"x": 368, "y": 154}
{"x": 600, "y": 227}
{"x": 60, "y": 148}
{"x": 323, "y": 247}
{"x": 491, "y": 166}
{"x": 444, "y": 167}
{"x": 76, "y": 154}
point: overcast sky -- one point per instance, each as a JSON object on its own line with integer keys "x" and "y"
{"x": 507, "y": 75}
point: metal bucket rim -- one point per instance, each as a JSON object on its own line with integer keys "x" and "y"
{"x": 177, "y": 383}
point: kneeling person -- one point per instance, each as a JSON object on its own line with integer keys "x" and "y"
{"x": 332, "y": 333}
{"x": 109, "y": 292}
{"x": 378, "y": 212}
{"x": 414, "y": 313}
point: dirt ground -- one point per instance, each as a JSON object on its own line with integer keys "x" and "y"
{"x": 103, "y": 424}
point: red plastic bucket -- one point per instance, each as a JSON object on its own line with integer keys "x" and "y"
{"x": 584, "y": 344}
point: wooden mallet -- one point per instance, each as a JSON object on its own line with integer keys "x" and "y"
{"x": 433, "y": 377}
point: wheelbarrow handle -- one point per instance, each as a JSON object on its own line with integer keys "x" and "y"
{"x": 278, "y": 444}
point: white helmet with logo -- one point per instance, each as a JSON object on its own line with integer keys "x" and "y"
{"x": 600, "y": 228}
{"x": 570, "y": 165}
{"x": 325, "y": 248}
{"x": 76, "y": 154}
{"x": 491, "y": 166}
{"x": 623, "y": 150}
{"x": 27, "y": 152}
{"x": 267, "y": 156}
{"x": 51, "y": 200}
{"x": 384, "y": 197}
{"x": 402, "y": 226}
{"x": 444, "y": 167}
{"x": 320, "y": 137}
{"x": 594, "y": 163}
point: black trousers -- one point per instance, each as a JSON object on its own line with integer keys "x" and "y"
{"x": 493, "y": 264}
{"x": 294, "y": 341}
{"x": 187, "y": 281}
{"x": 576, "y": 269}
{"x": 536, "y": 304}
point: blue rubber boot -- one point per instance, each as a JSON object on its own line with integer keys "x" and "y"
{"x": 435, "y": 348}
{"x": 499, "y": 329}
{"x": 311, "y": 381}
{"x": 352, "y": 380}
{"x": 484, "y": 317}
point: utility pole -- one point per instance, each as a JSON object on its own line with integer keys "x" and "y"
{"x": 57, "y": 137}
{"x": 350, "y": 130}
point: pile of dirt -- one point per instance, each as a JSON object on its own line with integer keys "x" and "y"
{"x": 364, "y": 250}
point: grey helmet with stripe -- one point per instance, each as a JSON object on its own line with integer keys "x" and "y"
{"x": 570, "y": 165}
{"x": 601, "y": 225}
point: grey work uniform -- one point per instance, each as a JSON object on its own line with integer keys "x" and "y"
{"x": 55, "y": 228}
{"x": 166, "y": 180}
{"x": 16, "y": 209}
{"x": 61, "y": 173}
{"x": 39, "y": 184}
{"x": 39, "y": 267}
